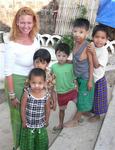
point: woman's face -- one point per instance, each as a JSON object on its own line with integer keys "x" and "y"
{"x": 25, "y": 24}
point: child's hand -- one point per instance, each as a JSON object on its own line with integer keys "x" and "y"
{"x": 47, "y": 124}
{"x": 69, "y": 61}
{"x": 91, "y": 48}
{"x": 24, "y": 125}
{"x": 89, "y": 85}
{"x": 54, "y": 106}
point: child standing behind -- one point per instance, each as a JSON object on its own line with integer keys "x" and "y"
{"x": 83, "y": 69}
{"x": 41, "y": 59}
{"x": 100, "y": 57}
{"x": 35, "y": 111}
{"x": 65, "y": 85}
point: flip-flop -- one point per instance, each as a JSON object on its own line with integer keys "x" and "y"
{"x": 57, "y": 128}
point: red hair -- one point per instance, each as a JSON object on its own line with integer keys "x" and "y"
{"x": 15, "y": 29}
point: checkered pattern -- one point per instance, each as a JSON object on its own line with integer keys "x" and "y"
{"x": 100, "y": 105}
{"x": 35, "y": 111}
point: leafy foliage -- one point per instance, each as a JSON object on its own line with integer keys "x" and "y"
{"x": 68, "y": 39}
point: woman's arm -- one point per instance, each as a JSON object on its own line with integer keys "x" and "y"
{"x": 12, "y": 96}
{"x": 47, "y": 112}
{"x": 10, "y": 85}
{"x": 23, "y": 109}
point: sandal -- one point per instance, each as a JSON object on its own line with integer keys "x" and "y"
{"x": 57, "y": 128}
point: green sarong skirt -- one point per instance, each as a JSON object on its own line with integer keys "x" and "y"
{"x": 15, "y": 112}
{"x": 85, "y": 97}
{"x": 34, "y": 139}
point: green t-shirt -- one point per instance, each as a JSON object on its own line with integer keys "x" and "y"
{"x": 64, "y": 77}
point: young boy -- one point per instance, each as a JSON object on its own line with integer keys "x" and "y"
{"x": 83, "y": 69}
{"x": 65, "y": 85}
{"x": 41, "y": 59}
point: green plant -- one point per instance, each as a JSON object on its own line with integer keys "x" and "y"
{"x": 82, "y": 11}
{"x": 68, "y": 39}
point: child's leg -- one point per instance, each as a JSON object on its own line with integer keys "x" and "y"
{"x": 87, "y": 114}
{"x": 41, "y": 139}
{"x": 75, "y": 120}
{"x": 27, "y": 139}
{"x": 61, "y": 119}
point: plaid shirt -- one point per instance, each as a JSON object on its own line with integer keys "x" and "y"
{"x": 35, "y": 111}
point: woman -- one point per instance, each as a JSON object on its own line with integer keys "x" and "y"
{"x": 19, "y": 61}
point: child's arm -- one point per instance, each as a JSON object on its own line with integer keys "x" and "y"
{"x": 53, "y": 93}
{"x": 23, "y": 109}
{"x": 91, "y": 68}
{"x": 47, "y": 112}
{"x": 91, "y": 49}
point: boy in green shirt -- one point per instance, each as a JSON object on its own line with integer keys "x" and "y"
{"x": 65, "y": 81}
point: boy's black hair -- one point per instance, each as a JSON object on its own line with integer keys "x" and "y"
{"x": 63, "y": 47}
{"x": 100, "y": 27}
{"x": 37, "y": 72}
{"x": 42, "y": 55}
{"x": 81, "y": 22}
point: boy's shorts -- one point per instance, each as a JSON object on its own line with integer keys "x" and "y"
{"x": 64, "y": 98}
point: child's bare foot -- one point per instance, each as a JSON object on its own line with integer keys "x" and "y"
{"x": 94, "y": 118}
{"x": 87, "y": 114}
{"x": 70, "y": 124}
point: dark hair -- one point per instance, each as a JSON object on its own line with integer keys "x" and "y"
{"x": 81, "y": 22}
{"x": 42, "y": 55}
{"x": 63, "y": 47}
{"x": 100, "y": 27}
{"x": 37, "y": 72}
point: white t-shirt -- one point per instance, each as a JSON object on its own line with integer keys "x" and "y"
{"x": 102, "y": 55}
{"x": 19, "y": 58}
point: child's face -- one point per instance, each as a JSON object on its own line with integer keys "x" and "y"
{"x": 38, "y": 64}
{"x": 37, "y": 83}
{"x": 79, "y": 34}
{"x": 100, "y": 39}
{"x": 61, "y": 57}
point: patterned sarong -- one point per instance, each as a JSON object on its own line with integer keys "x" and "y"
{"x": 15, "y": 112}
{"x": 100, "y": 105}
{"x": 34, "y": 139}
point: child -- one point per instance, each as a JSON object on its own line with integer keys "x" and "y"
{"x": 41, "y": 60}
{"x": 83, "y": 69}
{"x": 100, "y": 57}
{"x": 65, "y": 86}
{"x": 35, "y": 111}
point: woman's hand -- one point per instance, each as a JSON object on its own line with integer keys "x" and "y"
{"x": 15, "y": 103}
